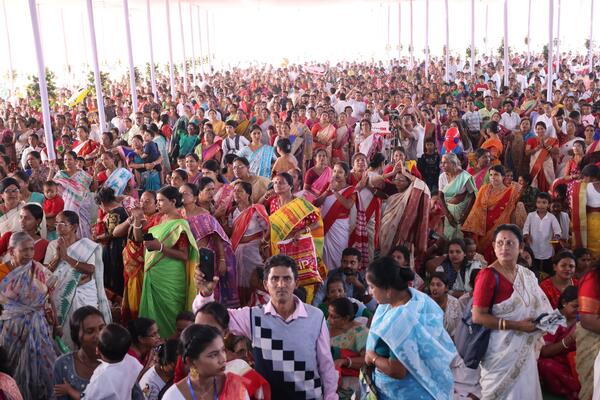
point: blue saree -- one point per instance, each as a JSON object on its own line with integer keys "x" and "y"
{"x": 413, "y": 334}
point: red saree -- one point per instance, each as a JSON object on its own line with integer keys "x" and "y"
{"x": 243, "y": 220}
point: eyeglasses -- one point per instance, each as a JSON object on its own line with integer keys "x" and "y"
{"x": 62, "y": 224}
{"x": 12, "y": 191}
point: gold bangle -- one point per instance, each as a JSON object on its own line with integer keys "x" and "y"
{"x": 503, "y": 324}
{"x": 500, "y": 324}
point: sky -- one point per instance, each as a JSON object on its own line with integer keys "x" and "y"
{"x": 252, "y": 31}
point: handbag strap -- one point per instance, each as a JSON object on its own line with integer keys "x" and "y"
{"x": 497, "y": 276}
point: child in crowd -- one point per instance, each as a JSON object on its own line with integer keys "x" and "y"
{"x": 335, "y": 290}
{"x": 160, "y": 376}
{"x": 556, "y": 208}
{"x": 540, "y": 231}
{"x": 117, "y": 373}
{"x": 472, "y": 254}
{"x": 286, "y": 160}
{"x": 233, "y": 142}
{"x": 258, "y": 296}
{"x": 182, "y": 321}
{"x": 52, "y": 205}
{"x": 429, "y": 164}
{"x": 150, "y": 151}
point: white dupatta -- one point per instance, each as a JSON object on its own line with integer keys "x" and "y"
{"x": 509, "y": 368}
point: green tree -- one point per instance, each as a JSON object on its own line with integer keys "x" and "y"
{"x": 104, "y": 82}
{"x": 33, "y": 90}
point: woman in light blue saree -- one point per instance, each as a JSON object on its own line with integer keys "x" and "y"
{"x": 261, "y": 156}
{"x": 407, "y": 345}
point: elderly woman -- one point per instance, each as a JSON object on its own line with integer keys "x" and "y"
{"x": 25, "y": 333}
{"x": 407, "y": 324}
{"x": 73, "y": 371}
{"x": 79, "y": 272}
{"x": 509, "y": 367}
{"x": 458, "y": 190}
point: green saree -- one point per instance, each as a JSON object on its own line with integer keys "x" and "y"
{"x": 168, "y": 286}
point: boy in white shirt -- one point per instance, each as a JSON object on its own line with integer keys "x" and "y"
{"x": 117, "y": 374}
{"x": 233, "y": 142}
{"x": 541, "y": 228}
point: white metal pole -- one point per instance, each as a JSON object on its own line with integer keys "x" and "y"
{"x": 487, "y": 39}
{"x": 529, "y": 33}
{"x": 550, "y": 50}
{"x": 42, "y": 81}
{"x": 558, "y": 41}
{"x": 472, "y": 38}
{"x": 185, "y": 77}
{"x": 200, "y": 39}
{"x": 447, "y": 77}
{"x": 152, "y": 76}
{"x": 399, "y": 31}
{"x": 388, "y": 26}
{"x": 426, "y": 39}
{"x": 590, "y": 53}
{"x": 171, "y": 69}
{"x": 10, "y": 64}
{"x": 412, "y": 47}
{"x": 99, "y": 95}
{"x": 208, "y": 43}
{"x": 132, "y": 86}
{"x": 193, "y": 51}
{"x": 506, "y": 64}
{"x": 62, "y": 23}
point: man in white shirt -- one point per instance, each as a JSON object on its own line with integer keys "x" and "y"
{"x": 540, "y": 229}
{"x": 546, "y": 118}
{"x": 118, "y": 121}
{"x": 509, "y": 119}
{"x": 341, "y": 104}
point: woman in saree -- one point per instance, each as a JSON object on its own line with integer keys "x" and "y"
{"x": 210, "y": 148}
{"x": 78, "y": 268}
{"x": 563, "y": 265}
{"x": 84, "y": 146}
{"x": 558, "y": 353}
{"x": 169, "y": 262}
{"x": 317, "y": 178}
{"x": 11, "y": 205}
{"x": 187, "y": 139}
{"x": 250, "y": 230}
{"x": 542, "y": 150}
{"x": 571, "y": 168}
{"x": 587, "y": 333}
{"x": 300, "y": 130}
{"x": 38, "y": 173}
{"x": 26, "y": 195}
{"x": 25, "y": 287}
{"x": 509, "y": 366}
{"x": 192, "y": 167}
{"x": 323, "y": 134}
{"x": 481, "y": 171}
{"x": 162, "y": 142}
{"x": 31, "y": 219}
{"x": 514, "y": 155}
{"x": 208, "y": 233}
{"x": 365, "y": 236}
{"x": 407, "y": 324}
{"x": 348, "y": 344}
{"x": 261, "y": 156}
{"x": 495, "y": 204}
{"x": 74, "y": 187}
{"x": 492, "y": 143}
{"x": 367, "y": 142}
{"x": 293, "y": 219}
{"x": 585, "y": 210}
{"x": 591, "y": 143}
{"x": 133, "y": 229}
{"x": 336, "y": 205}
{"x": 296, "y": 143}
{"x": 218, "y": 126}
{"x": 458, "y": 190}
{"x": 202, "y": 352}
{"x": 223, "y": 197}
{"x": 148, "y": 178}
{"x": 405, "y": 220}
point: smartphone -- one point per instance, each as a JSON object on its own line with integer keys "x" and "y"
{"x": 148, "y": 237}
{"x": 207, "y": 263}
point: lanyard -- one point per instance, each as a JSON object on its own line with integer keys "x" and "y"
{"x": 193, "y": 393}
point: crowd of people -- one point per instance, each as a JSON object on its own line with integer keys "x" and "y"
{"x": 306, "y": 233}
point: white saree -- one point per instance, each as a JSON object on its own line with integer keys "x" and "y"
{"x": 509, "y": 368}
{"x": 337, "y": 237}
